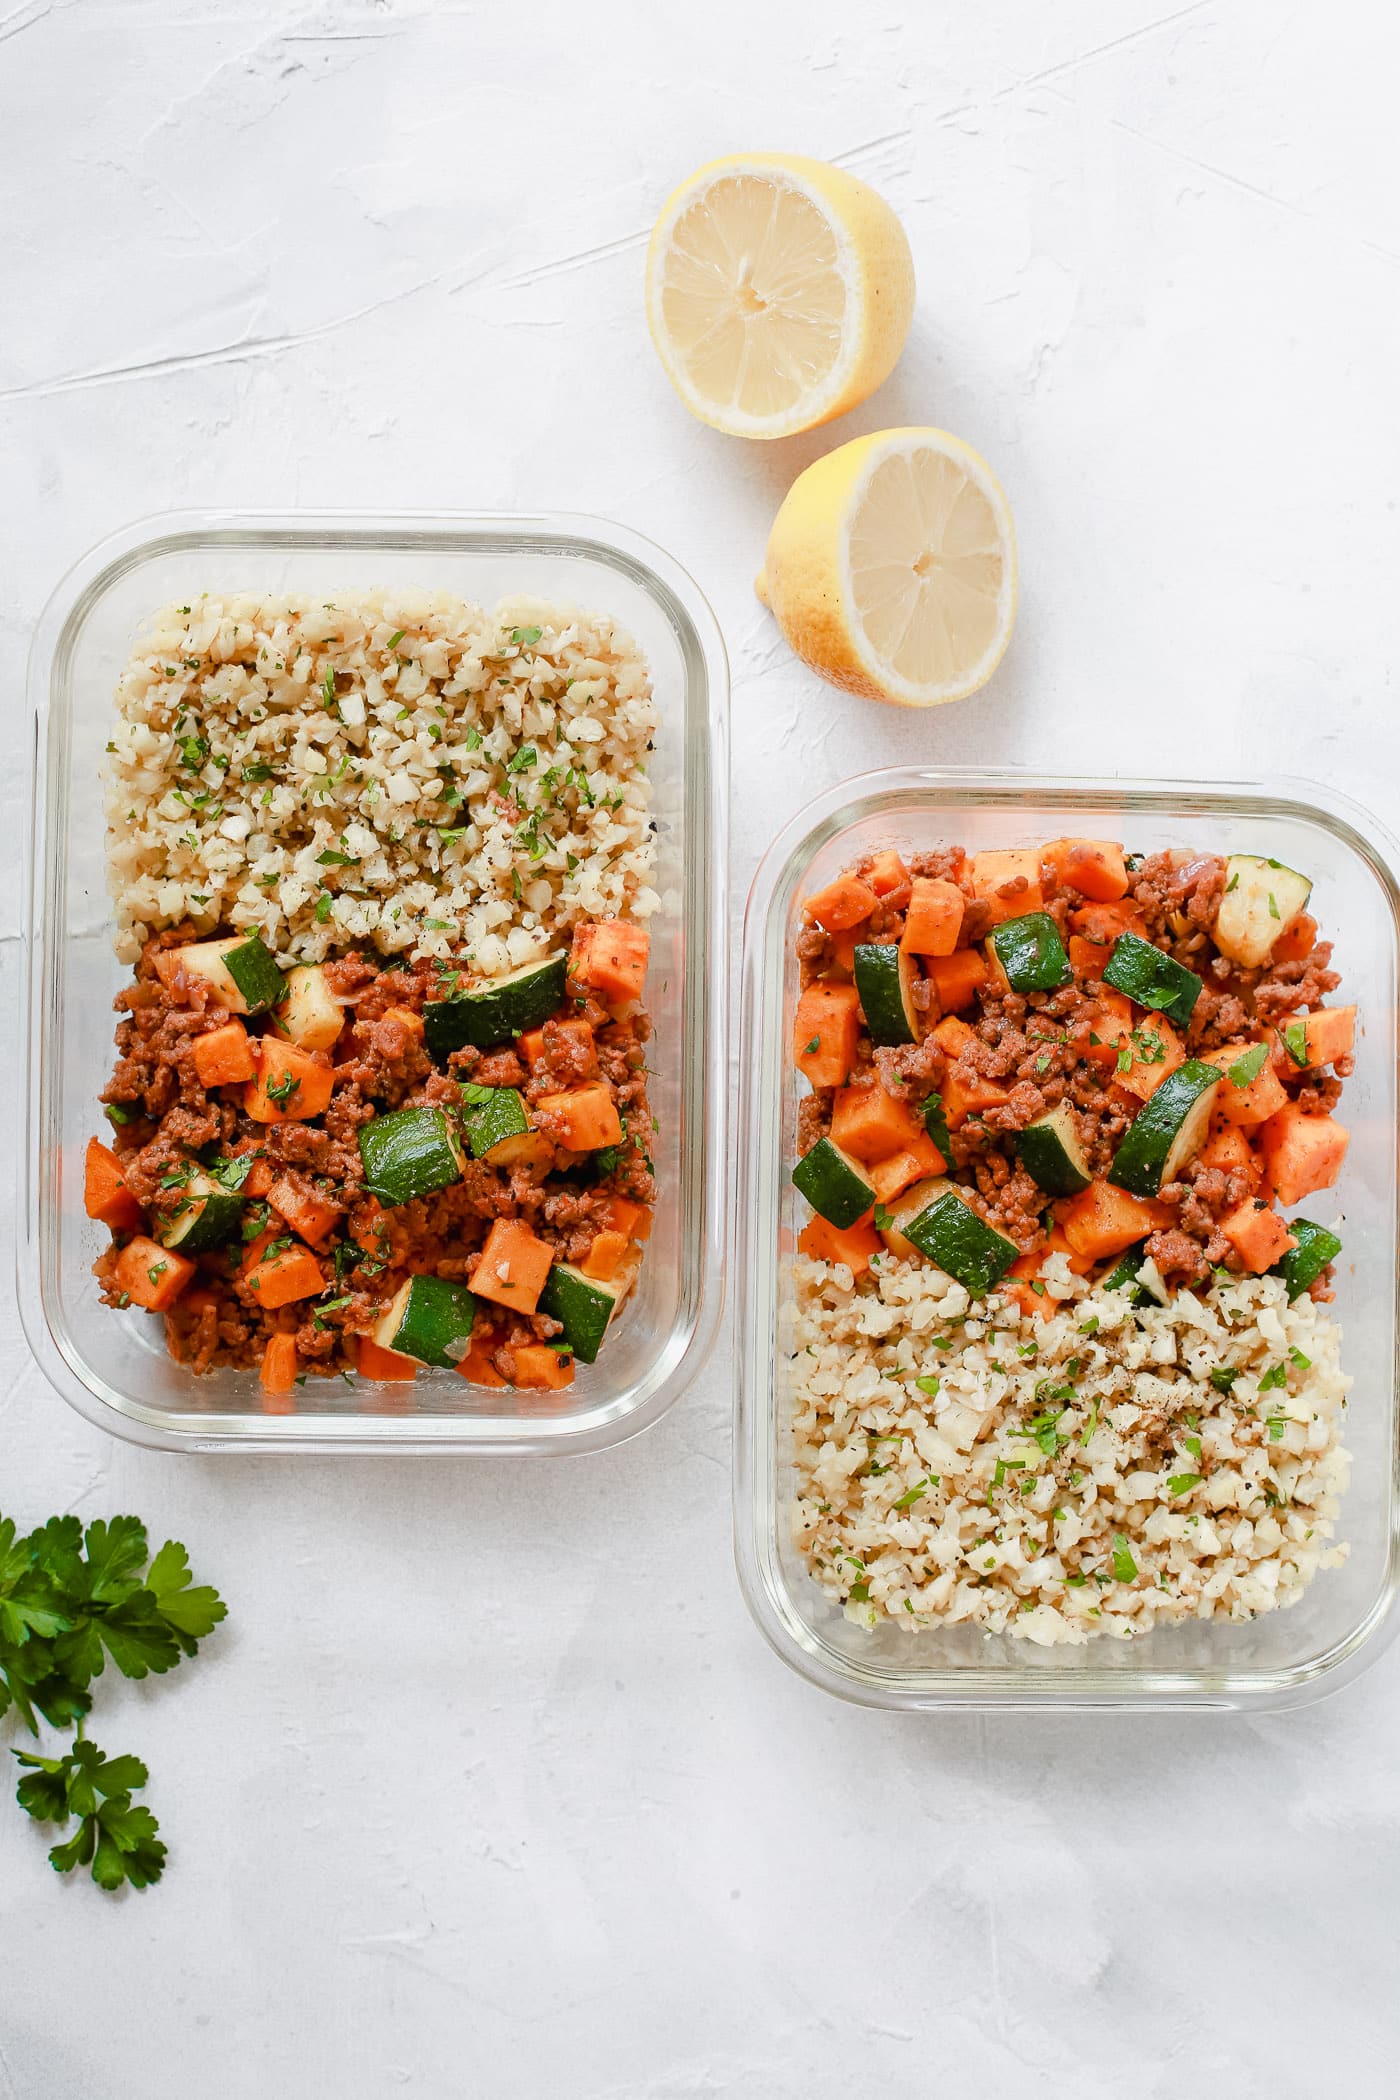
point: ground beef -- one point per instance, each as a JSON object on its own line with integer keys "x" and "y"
{"x": 172, "y": 1121}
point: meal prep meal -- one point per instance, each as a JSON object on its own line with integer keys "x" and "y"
{"x": 382, "y": 865}
{"x": 1059, "y": 1365}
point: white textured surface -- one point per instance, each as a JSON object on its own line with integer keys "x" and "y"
{"x": 488, "y": 1786}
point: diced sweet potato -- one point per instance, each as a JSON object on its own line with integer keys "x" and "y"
{"x": 1245, "y": 1105}
{"x": 956, "y": 977}
{"x": 1229, "y": 1150}
{"x": 292, "y": 1084}
{"x": 304, "y": 1210}
{"x": 604, "y": 1255}
{"x": 1258, "y": 1235}
{"x": 1331, "y": 1033}
{"x": 151, "y": 1276}
{"x": 610, "y": 957}
{"x": 278, "y": 1372}
{"x": 106, "y": 1196}
{"x": 821, "y": 1241}
{"x": 386, "y": 1365}
{"x": 582, "y": 1118}
{"x": 887, "y": 874}
{"x": 902, "y": 1169}
{"x": 285, "y": 1278}
{"x": 1103, "y": 1220}
{"x": 1094, "y": 867}
{"x": 620, "y": 1214}
{"x": 825, "y": 1033}
{"x": 513, "y": 1266}
{"x": 1301, "y": 1153}
{"x": 952, "y": 1036}
{"x": 934, "y": 918}
{"x": 1087, "y": 958}
{"x": 870, "y": 1124}
{"x": 842, "y": 904}
{"x": 539, "y": 1367}
{"x": 476, "y": 1366}
{"x": 1155, "y": 1049}
{"x": 1110, "y": 1025}
{"x": 1104, "y": 922}
{"x": 225, "y": 1056}
{"x": 964, "y": 1097}
{"x": 1298, "y": 939}
{"x": 1022, "y": 1285}
{"x": 1009, "y": 882}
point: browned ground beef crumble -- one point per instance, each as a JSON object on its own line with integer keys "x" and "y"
{"x": 1034, "y": 1045}
{"x": 380, "y": 1064}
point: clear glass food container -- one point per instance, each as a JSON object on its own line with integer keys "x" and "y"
{"x": 113, "y": 1367}
{"x": 1342, "y": 1622}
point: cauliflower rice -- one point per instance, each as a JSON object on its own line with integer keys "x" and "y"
{"x": 1062, "y": 1477}
{"x": 395, "y": 767}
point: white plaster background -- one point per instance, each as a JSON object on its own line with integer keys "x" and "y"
{"x": 489, "y": 1787}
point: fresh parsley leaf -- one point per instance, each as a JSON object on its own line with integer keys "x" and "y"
{"x": 1274, "y": 1378}
{"x": 117, "y": 1841}
{"x": 1182, "y": 1483}
{"x": 1223, "y": 1377}
{"x": 525, "y": 637}
{"x": 115, "y": 1114}
{"x": 1124, "y": 1566}
{"x": 1245, "y": 1070}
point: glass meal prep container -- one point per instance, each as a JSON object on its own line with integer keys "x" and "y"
{"x": 1343, "y": 1620}
{"x": 113, "y": 1367}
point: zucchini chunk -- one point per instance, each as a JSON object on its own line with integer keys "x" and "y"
{"x": 1153, "y": 979}
{"x": 242, "y": 975}
{"x": 837, "y": 1186}
{"x": 491, "y": 1116}
{"x": 897, "y": 1215}
{"x": 309, "y": 1014}
{"x": 583, "y": 1305}
{"x": 885, "y": 980}
{"x": 1261, "y": 896}
{"x": 1125, "y": 1276}
{"x": 409, "y": 1153}
{"x": 1052, "y": 1154}
{"x": 1030, "y": 954}
{"x": 1168, "y": 1130}
{"x": 208, "y": 1215}
{"x": 498, "y": 1011}
{"x": 1303, "y": 1264}
{"x": 430, "y": 1320}
{"x": 964, "y": 1246}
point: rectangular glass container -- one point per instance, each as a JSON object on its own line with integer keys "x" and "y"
{"x": 1282, "y": 1658}
{"x": 113, "y": 1367}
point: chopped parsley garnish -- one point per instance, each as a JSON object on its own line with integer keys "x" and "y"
{"x": 811, "y": 1049}
{"x": 328, "y": 687}
{"x": 1182, "y": 1483}
{"x": 1273, "y": 1378}
{"x": 1295, "y": 1041}
{"x": 395, "y": 639}
{"x": 525, "y": 637}
{"x": 1124, "y": 1566}
{"x": 115, "y": 1114}
{"x": 1245, "y": 1070}
{"x": 928, "y": 1385}
{"x": 281, "y": 1090}
{"x": 331, "y": 859}
{"x": 1223, "y": 1377}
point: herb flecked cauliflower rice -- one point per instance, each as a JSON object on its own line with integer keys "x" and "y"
{"x": 395, "y": 767}
{"x": 1103, "y": 1470}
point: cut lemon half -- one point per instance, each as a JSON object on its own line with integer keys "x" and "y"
{"x": 891, "y": 568}
{"x": 779, "y": 292}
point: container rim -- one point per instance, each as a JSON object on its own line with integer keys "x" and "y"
{"x": 1003, "y": 1689}
{"x": 687, "y": 611}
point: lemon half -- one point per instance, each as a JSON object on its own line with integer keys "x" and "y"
{"x": 779, "y": 292}
{"x": 891, "y": 568}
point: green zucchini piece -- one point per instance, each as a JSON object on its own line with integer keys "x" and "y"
{"x": 498, "y": 1011}
{"x": 936, "y": 1124}
{"x": 835, "y": 1185}
{"x": 885, "y": 980}
{"x": 897, "y": 1215}
{"x": 1153, "y": 979}
{"x": 1031, "y": 954}
{"x": 1125, "y": 1276}
{"x": 490, "y": 1116}
{"x": 208, "y": 1215}
{"x": 409, "y": 1153}
{"x": 1261, "y": 896}
{"x": 1168, "y": 1130}
{"x": 950, "y": 1233}
{"x": 1303, "y": 1264}
{"x": 241, "y": 974}
{"x": 311, "y": 1015}
{"x": 583, "y": 1306}
{"x": 430, "y": 1320}
{"x": 1052, "y": 1154}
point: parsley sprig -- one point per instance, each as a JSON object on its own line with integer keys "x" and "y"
{"x": 72, "y": 1600}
